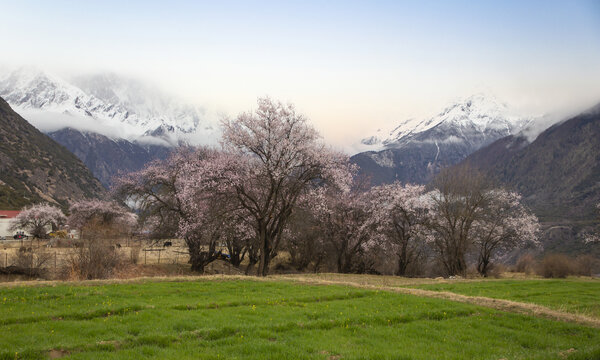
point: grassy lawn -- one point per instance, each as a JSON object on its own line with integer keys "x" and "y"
{"x": 269, "y": 320}
{"x": 570, "y": 295}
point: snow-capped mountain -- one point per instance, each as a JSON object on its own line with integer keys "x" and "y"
{"x": 112, "y": 124}
{"x": 106, "y": 104}
{"x": 478, "y": 115}
{"x": 416, "y": 150}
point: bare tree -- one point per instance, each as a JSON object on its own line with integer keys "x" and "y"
{"x": 459, "y": 195}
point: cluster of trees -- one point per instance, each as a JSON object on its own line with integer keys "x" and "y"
{"x": 98, "y": 222}
{"x": 92, "y": 218}
{"x": 275, "y": 186}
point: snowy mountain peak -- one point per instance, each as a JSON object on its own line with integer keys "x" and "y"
{"x": 477, "y": 114}
{"x": 105, "y": 103}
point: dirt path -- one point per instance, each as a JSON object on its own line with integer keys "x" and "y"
{"x": 498, "y": 304}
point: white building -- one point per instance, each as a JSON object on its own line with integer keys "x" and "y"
{"x": 6, "y": 217}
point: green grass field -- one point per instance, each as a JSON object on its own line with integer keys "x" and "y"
{"x": 245, "y": 319}
{"x": 571, "y": 295}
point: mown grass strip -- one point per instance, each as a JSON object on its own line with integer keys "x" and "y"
{"x": 99, "y": 313}
{"x": 498, "y": 304}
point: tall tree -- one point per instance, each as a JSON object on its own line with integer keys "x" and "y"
{"x": 459, "y": 195}
{"x": 346, "y": 225}
{"x": 189, "y": 195}
{"x": 400, "y": 214}
{"x": 282, "y": 158}
{"x": 504, "y": 224}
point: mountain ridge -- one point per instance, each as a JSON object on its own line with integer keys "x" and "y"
{"x": 415, "y": 152}
{"x": 106, "y": 157}
{"x": 34, "y": 168}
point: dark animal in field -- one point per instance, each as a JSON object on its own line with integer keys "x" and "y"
{"x": 167, "y": 243}
{"x": 118, "y": 246}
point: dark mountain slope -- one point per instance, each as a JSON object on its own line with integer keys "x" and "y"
{"x": 35, "y": 168}
{"x": 558, "y": 174}
{"x": 106, "y": 157}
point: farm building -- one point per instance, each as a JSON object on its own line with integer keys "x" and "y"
{"x": 6, "y": 217}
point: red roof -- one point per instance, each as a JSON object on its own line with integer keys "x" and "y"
{"x": 8, "y": 214}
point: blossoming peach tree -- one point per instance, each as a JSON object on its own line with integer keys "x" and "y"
{"x": 39, "y": 219}
{"x": 280, "y": 158}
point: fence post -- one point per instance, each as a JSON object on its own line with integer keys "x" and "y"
{"x": 145, "y": 253}
{"x": 55, "y": 261}
{"x": 159, "y": 251}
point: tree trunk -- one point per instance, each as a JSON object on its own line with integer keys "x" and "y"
{"x": 265, "y": 253}
{"x": 483, "y": 266}
{"x": 200, "y": 260}
{"x": 402, "y": 265}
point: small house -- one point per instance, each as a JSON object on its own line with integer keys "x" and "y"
{"x": 6, "y": 218}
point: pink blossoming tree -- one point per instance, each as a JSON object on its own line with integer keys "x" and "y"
{"x": 39, "y": 219}
{"x": 189, "y": 194}
{"x": 400, "y": 214}
{"x": 281, "y": 157}
{"x": 346, "y": 225}
{"x": 98, "y": 218}
{"x": 502, "y": 225}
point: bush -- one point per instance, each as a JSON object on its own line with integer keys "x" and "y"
{"x": 525, "y": 264}
{"x": 555, "y": 266}
{"x": 496, "y": 270}
{"x": 586, "y": 265}
{"x": 96, "y": 259}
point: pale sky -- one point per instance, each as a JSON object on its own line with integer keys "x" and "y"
{"x": 350, "y": 66}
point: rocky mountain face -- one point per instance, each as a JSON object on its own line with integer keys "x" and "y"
{"x": 107, "y": 157}
{"x": 416, "y": 150}
{"x": 34, "y": 168}
{"x": 558, "y": 175}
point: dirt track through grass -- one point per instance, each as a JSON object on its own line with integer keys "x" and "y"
{"x": 278, "y": 317}
{"x": 498, "y": 304}
{"x": 365, "y": 282}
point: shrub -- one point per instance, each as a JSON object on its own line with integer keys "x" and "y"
{"x": 496, "y": 270}
{"x": 525, "y": 264}
{"x": 586, "y": 265}
{"x": 555, "y": 266}
{"x": 96, "y": 259}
